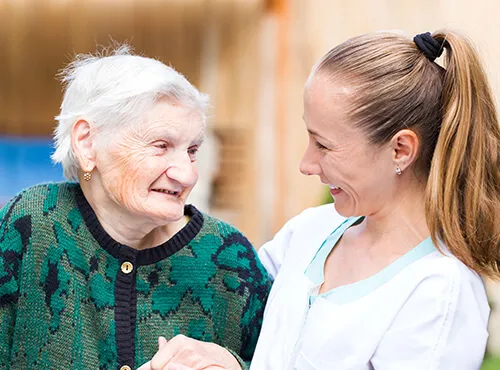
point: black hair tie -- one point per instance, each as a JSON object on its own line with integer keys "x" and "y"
{"x": 428, "y": 45}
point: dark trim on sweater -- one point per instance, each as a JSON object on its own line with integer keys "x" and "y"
{"x": 146, "y": 256}
{"x": 125, "y": 314}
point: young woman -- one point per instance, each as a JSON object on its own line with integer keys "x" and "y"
{"x": 388, "y": 277}
{"x": 411, "y": 152}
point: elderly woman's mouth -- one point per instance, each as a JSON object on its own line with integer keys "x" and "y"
{"x": 169, "y": 192}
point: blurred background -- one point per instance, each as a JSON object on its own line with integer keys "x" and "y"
{"x": 251, "y": 56}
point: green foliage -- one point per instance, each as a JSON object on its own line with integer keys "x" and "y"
{"x": 326, "y": 196}
{"x": 491, "y": 363}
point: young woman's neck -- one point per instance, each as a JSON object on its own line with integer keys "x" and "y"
{"x": 401, "y": 223}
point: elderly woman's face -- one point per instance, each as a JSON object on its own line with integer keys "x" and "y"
{"x": 360, "y": 175}
{"x": 149, "y": 169}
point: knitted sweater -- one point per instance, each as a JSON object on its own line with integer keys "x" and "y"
{"x": 71, "y": 297}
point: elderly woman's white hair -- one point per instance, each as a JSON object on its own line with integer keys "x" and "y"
{"x": 112, "y": 91}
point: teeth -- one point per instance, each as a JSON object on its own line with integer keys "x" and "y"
{"x": 166, "y": 191}
{"x": 334, "y": 187}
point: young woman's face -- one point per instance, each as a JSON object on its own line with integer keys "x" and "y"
{"x": 360, "y": 175}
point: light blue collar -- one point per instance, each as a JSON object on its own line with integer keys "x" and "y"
{"x": 351, "y": 292}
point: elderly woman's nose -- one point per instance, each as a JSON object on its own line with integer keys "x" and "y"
{"x": 183, "y": 172}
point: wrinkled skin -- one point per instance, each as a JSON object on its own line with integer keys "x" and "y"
{"x": 143, "y": 173}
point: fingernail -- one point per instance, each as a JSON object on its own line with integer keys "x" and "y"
{"x": 161, "y": 341}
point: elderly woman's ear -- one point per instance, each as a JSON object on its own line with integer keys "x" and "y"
{"x": 83, "y": 144}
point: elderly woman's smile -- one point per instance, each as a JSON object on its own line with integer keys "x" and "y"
{"x": 149, "y": 167}
{"x": 168, "y": 192}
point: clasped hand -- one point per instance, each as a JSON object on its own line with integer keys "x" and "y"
{"x": 183, "y": 353}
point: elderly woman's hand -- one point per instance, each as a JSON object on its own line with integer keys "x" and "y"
{"x": 183, "y": 353}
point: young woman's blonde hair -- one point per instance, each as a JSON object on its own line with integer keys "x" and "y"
{"x": 394, "y": 86}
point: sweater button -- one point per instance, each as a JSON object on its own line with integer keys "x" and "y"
{"x": 127, "y": 268}
{"x": 125, "y": 367}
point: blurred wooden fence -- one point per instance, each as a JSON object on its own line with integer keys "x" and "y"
{"x": 37, "y": 38}
{"x": 214, "y": 43}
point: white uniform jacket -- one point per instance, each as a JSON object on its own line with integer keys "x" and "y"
{"x": 427, "y": 312}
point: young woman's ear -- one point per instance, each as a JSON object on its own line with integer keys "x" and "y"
{"x": 405, "y": 145}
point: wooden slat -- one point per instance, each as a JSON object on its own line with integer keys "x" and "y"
{"x": 38, "y": 38}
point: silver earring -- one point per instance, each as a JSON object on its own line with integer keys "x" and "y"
{"x": 398, "y": 170}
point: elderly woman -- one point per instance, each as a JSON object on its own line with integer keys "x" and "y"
{"x": 388, "y": 277}
{"x": 92, "y": 272}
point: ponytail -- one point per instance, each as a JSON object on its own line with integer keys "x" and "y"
{"x": 463, "y": 188}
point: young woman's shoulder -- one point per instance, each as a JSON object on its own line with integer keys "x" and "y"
{"x": 444, "y": 310}
{"x": 440, "y": 281}
{"x": 300, "y": 237}
{"x": 442, "y": 266}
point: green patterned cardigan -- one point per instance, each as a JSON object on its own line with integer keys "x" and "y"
{"x": 71, "y": 297}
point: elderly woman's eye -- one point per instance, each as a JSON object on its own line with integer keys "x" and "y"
{"x": 192, "y": 153}
{"x": 161, "y": 145}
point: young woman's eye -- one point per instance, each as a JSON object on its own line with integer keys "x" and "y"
{"x": 320, "y": 146}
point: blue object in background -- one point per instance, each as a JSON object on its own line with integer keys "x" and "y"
{"x": 25, "y": 162}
